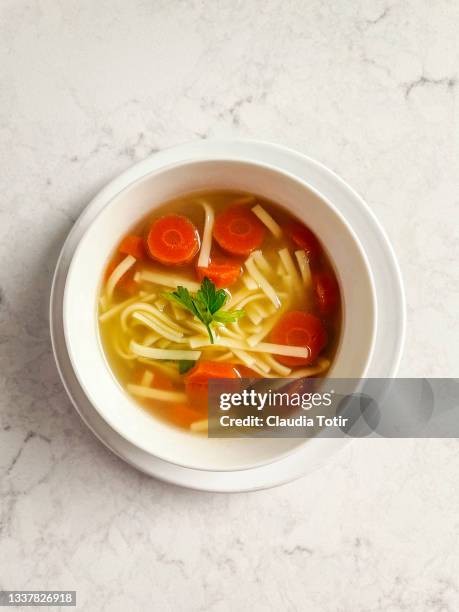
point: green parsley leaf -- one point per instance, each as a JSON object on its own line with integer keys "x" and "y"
{"x": 205, "y": 305}
{"x": 182, "y": 297}
{"x": 184, "y": 365}
{"x": 209, "y": 295}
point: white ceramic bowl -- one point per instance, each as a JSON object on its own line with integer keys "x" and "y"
{"x": 113, "y": 404}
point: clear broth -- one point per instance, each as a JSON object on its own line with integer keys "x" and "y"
{"x": 131, "y": 370}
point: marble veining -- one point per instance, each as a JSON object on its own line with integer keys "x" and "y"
{"x": 369, "y": 88}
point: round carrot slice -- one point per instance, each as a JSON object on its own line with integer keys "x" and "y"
{"x": 297, "y": 328}
{"x": 221, "y": 274}
{"x": 173, "y": 240}
{"x": 238, "y": 230}
{"x": 305, "y": 239}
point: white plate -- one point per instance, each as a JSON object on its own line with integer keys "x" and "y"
{"x": 391, "y": 319}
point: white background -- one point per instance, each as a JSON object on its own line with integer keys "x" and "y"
{"x": 87, "y": 88}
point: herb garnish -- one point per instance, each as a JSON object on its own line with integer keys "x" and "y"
{"x": 206, "y": 304}
{"x": 184, "y": 365}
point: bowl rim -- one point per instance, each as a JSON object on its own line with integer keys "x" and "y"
{"x": 197, "y": 161}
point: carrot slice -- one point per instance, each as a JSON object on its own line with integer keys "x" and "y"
{"x": 238, "y": 230}
{"x": 133, "y": 245}
{"x": 172, "y": 240}
{"x": 197, "y": 380}
{"x": 203, "y": 370}
{"x": 327, "y": 292}
{"x": 183, "y": 415}
{"x": 221, "y": 274}
{"x": 305, "y": 239}
{"x": 297, "y": 328}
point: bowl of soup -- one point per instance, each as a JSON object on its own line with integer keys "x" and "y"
{"x": 212, "y": 269}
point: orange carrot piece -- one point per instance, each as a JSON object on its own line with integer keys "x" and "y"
{"x": 172, "y": 240}
{"x": 327, "y": 292}
{"x": 183, "y": 415}
{"x": 203, "y": 370}
{"x": 197, "y": 380}
{"x": 305, "y": 239}
{"x": 238, "y": 231}
{"x": 247, "y": 372}
{"x": 297, "y": 328}
{"x": 161, "y": 381}
{"x": 221, "y": 274}
{"x": 133, "y": 245}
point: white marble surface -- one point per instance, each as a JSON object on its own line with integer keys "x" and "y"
{"x": 86, "y": 88}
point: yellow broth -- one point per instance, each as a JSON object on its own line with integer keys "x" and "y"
{"x": 116, "y": 334}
